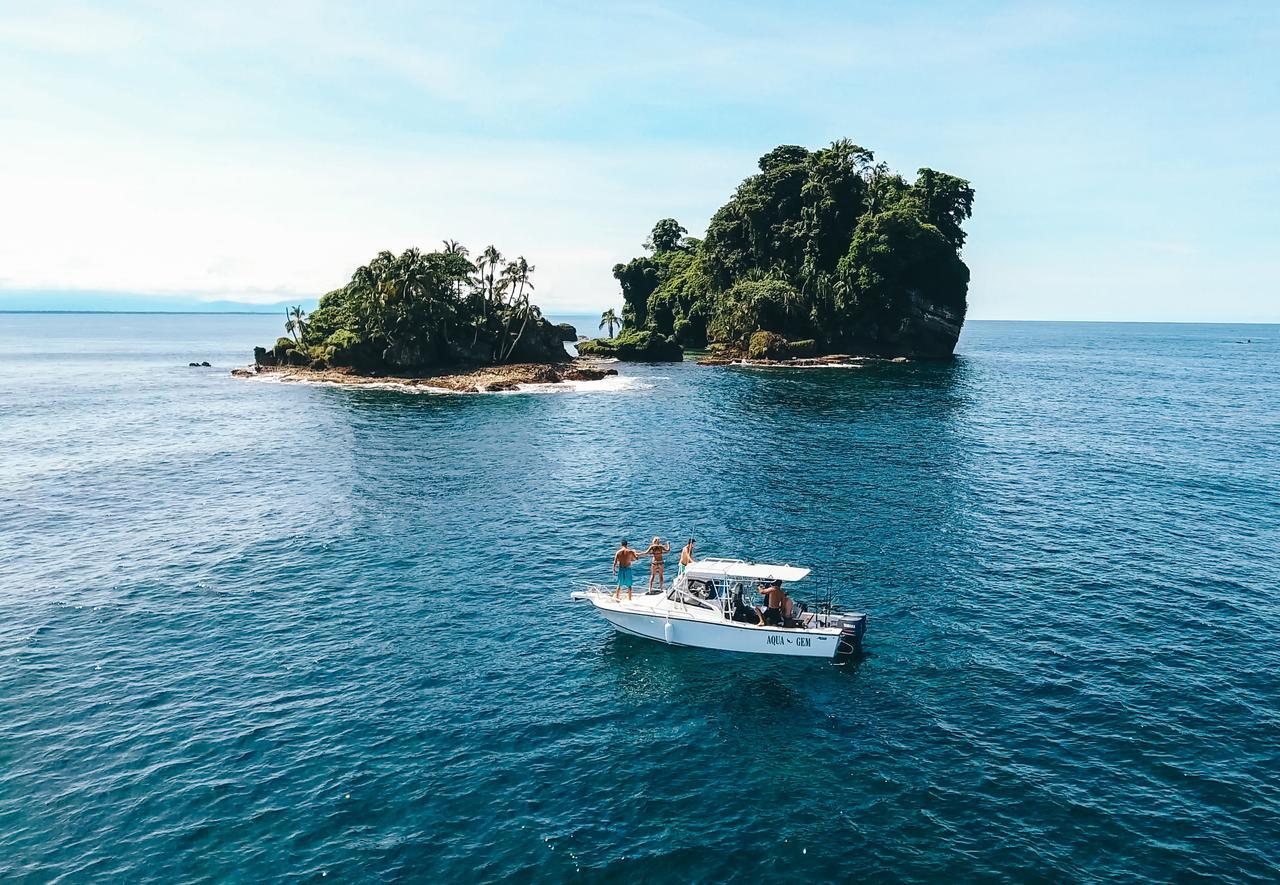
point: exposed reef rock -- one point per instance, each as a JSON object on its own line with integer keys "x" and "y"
{"x": 487, "y": 379}
{"x": 643, "y": 347}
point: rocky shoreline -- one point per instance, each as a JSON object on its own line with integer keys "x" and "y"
{"x": 834, "y": 359}
{"x": 486, "y": 379}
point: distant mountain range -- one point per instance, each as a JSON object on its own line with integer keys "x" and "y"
{"x": 88, "y": 301}
{"x": 83, "y": 300}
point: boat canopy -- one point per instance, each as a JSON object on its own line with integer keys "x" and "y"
{"x": 719, "y": 569}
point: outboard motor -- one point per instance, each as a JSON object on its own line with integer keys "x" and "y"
{"x": 849, "y": 644}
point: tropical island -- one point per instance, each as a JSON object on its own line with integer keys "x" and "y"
{"x": 821, "y": 255}
{"x": 821, "y": 252}
{"x": 430, "y": 318}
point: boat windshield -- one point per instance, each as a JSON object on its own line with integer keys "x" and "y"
{"x": 710, "y": 592}
{"x": 703, "y": 593}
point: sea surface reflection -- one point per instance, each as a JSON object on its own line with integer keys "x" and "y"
{"x": 252, "y": 630}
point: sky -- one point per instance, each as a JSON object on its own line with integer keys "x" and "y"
{"x": 175, "y": 154}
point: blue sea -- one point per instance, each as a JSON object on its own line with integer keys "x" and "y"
{"x": 254, "y": 631}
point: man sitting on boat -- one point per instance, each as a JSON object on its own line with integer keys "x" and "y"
{"x": 777, "y": 603}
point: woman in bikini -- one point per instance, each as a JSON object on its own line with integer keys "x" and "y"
{"x": 657, "y": 549}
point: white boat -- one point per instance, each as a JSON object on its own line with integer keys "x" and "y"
{"x": 707, "y": 607}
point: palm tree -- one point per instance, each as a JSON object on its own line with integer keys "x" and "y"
{"x": 610, "y": 318}
{"x": 458, "y": 272}
{"x": 373, "y": 282}
{"x": 527, "y": 311}
{"x": 294, "y": 322}
{"x": 515, "y": 279}
{"x": 486, "y": 288}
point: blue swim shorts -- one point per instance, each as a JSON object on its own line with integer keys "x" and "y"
{"x": 624, "y": 576}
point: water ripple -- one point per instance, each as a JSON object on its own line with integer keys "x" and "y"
{"x": 290, "y": 631}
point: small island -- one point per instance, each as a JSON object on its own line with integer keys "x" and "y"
{"x": 821, "y": 253}
{"x": 820, "y": 257}
{"x": 428, "y": 319}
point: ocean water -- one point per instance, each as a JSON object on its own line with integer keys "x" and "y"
{"x": 253, "y": 631}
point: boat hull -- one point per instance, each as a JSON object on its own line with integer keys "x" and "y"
{"x": 723, "y": 635}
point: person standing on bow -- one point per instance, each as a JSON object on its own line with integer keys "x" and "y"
{"x": 686, "y": 556}
{"x": 623, "y": 559}
{"x": 657, "y": 550}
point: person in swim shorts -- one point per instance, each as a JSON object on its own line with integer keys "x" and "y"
{"x": 623, "y": 559}
{"x": 775, "y": 601}
{"x": 686, "y": 556}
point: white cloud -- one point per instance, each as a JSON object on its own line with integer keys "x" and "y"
{"x": 259, "y": 151}
{"x": 270, "y": 222}
{"x": 69, "y": 29}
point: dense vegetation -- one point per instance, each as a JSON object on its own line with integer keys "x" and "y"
{"x": 826, "y": 249}
{"x": 419, "y": 311}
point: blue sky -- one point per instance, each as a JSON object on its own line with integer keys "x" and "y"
{"x": 174, "y": 154}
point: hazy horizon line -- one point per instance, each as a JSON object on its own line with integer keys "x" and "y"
{"x": 575, "y": 313}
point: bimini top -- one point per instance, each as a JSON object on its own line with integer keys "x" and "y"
{"x": 720, "y": 569}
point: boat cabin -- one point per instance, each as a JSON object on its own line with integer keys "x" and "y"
{"x": 730, "y": 586}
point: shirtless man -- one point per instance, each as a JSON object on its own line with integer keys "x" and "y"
{"x": 686, "y": 556}
{"x": 775, "y": 602}
{"x": 657, "y": 550}
{"x": 623, "y": 559}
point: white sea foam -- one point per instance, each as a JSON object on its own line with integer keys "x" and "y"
{"x": 398, "y": 386}
{"x": 791, "y": 368}
{"x": 608, "y": 384}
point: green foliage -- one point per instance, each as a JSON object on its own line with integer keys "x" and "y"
{"x": 418, "y": 310}
{"x": 665, "y": 236}
{"x": 895, "y": 256}
{"x": 825, "y": 246}
{"x": 641, "y": 277}
{"x": 638, "y": 278}
{"x": 767, "y": 304}
{"x": 343, "y": 339}
{"x": 767, "y": 346}
{"x": 633, "y": 345}
{"x": 945, "y": 201}
{"x": 597, "y": 347}
{"x": 284, "y": 349}
{"x": 336, "y": 312}
{"x": 296, "y": 322}
{"x": 681, "y": 301}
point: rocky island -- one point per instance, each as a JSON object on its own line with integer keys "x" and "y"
{"x": 432, "y": 320}
{"x": 820, "y": 253}
{"x": 821, "y": 256}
